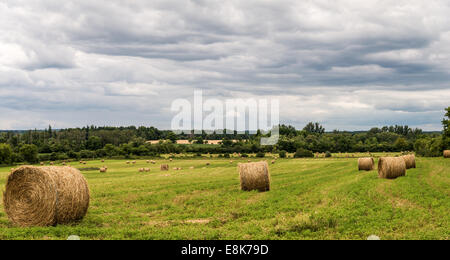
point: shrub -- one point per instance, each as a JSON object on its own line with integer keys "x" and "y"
{"x": 244, "y": 155}
{"x": 5, "y": 154}
{"x": 328, "y": 154}
{"x": 29, "y": 153}
{"x": 303, "y": 153}
{"x": 283, "y": 154}
{"x": 260, "y": 155}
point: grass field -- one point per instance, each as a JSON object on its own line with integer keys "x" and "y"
{"x": 309, "y": 199}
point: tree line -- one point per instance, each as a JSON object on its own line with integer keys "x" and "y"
{"x": 127, "y": 142}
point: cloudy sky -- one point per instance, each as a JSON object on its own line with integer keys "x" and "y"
{"x": 348, "y": 64}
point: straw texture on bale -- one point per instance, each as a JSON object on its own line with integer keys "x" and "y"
{"x": 447, "y": 154}
{"x": 45, "y": 196}
{"x": 254, "y": 176}
{"x": 366, "y": 164}
{"x": 391, "y": 167}
{"x": 410, "y": 161}
{"x": 164, "y": 167}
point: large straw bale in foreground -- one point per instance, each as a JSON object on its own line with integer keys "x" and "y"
{"x": 366, "y": 164}
{"x": 45, "y": 196}
{"x": 410, "y": 161}
{"x": 391, "y": 167}
{"x": 254, "y": 176}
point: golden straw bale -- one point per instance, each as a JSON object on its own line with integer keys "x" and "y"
{"x": 45, "y": 196}
{"x": 391, "y": 167}
{"x": 254, "y": 176}
{"x": 410, "y": 161}
{"x": 366, "y": 164}
{"x": 447, "y": 154}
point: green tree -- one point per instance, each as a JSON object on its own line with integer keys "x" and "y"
{"x": 446, "y": 133}
{"x": 29, "y": 153}
{"x": 314, "y": 128}
{"x": 401, "y": 144}
{"x": 5, "y": 154}
{"x": 172, "y": 137}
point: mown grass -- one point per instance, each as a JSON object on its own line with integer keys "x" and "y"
{"x": 310, "y": 199}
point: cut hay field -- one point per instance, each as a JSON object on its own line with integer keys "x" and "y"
{"x": 309, "y": 199}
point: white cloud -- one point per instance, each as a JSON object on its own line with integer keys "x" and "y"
{"x": 348, "y": 64}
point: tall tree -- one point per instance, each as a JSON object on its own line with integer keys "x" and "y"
{"x": 446, "y": 133}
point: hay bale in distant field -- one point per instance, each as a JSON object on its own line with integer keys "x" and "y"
{"x": 141, "y": 169}
{"x": 391, "y": 167}
{"x": 231, "y": 162}
{"x": 42, "y": 164}
{"x": 164, "y": 167}
{"x": 207, "y": 164}
{"x": 273, "y": 162}
{"x": 148, "y": 161}
{"x": 103, "y": 169}
{"x": 447, "y": 154}
{"x": 147, "y": 169}
{"x": 170, "y": 159}
{"x": 45, "y": 196}
{"x": 254, "y": 176}
{"x": 153, "y": 162}
{"x": 410, "y": 161}
{"x": 366, "y": 164}
{"x": 103, "y": 161}
{"x": 134, "y": 162}
{"x": 128, "y": 162}
{"x": 52, "y": 163}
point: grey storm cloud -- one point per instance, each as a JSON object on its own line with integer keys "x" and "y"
{"x": 348, "y": 64}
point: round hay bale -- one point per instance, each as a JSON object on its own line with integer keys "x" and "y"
{"x": 52, "y": 163}
{"x": 103, "y": 169}
{"x": 391, "y": 167}
{"x": 147, "y": 169}
{"x": 254, "y": 176}
{"x": 148, "y": 161}
{"x": 273, "y": 162}
{"x": 153, "y": 162}
{"x": 42, "y": 163}
{"x": 410, "y": 161}
{"x": 164, "y": 167}
{"x": 447, "y": 154}
{"x": 141, "y": 170}
{"x": 45, "y": 196}
{"x": 366, "y": 164}
{"x": 134, "y": 162}
{"x": 128, "y": 162}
